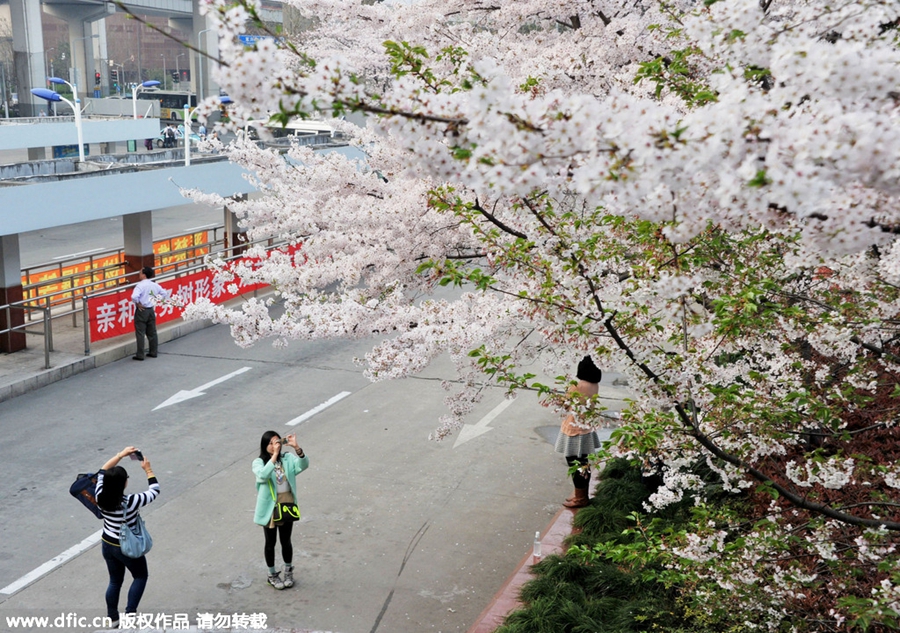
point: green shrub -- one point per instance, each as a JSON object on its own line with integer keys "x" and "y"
{"x": 572, "y": 594}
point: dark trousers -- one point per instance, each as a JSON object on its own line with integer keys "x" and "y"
{"x": 116, "y": 564}
{"x": 283, "y": 532}
{"x": 145, "y": 323}
{"x": 582, "y": 477}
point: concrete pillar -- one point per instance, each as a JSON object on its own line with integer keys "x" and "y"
{"x": 235, "y": 236}
{"x": 138, "y": 233}
{"x": 82, "y": 41}
{"x": 11, "y": 292}
{"x": 28, "y": 54}
{"x": 204, "y": 39}
{"x": 102, "y": 57}
{"x": 92, "y": 46}
{"x": 182, "y": 61}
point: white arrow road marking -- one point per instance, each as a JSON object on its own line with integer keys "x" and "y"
{"x": 317, "y": 409}
{"x": 181, "y": 396}
{"x": 52, "y": 564}
{"x": 471, "y": 431}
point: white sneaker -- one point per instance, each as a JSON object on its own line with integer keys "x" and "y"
{"x": 275, "y": 580}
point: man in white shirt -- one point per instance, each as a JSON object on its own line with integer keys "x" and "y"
{"x": 169, "y": 134}
{"x": 145, "y": 295}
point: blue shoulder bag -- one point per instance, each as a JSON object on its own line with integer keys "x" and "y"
{"x": 135, "y": 541}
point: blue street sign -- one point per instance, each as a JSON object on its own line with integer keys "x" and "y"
{"x": 250, "y": 40}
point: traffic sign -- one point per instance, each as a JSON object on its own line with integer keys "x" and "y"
{"x": 250, "y": 40}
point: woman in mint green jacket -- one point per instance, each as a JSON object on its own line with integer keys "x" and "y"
{"x": 276, "y": 474}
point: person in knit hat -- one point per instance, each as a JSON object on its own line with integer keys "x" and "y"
{"x": 575, "y": 441}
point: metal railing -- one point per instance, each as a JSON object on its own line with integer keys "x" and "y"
{"x": 64, "y": 303}
{"x": 97, "y": 277}
{"x": 80, "y": 285}
{"x": 46, "y": 332}
{"x": 58, "y": 118}
{"x": 198, "y": 264}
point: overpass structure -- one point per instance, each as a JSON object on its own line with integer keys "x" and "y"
{"x": 44, "y": 194}
{"x": 87, "y": 40}
{"x": 48, "y": 193}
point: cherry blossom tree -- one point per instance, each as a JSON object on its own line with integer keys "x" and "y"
{"x": 701, "y": 195}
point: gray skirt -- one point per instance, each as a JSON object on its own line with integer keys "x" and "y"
{"x": 577, "y": 445}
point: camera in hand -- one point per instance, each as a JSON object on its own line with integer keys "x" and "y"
{"x": 139, "y": 456}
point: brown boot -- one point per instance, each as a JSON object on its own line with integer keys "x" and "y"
{"x": 579, "y": 499}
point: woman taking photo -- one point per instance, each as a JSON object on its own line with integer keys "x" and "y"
{"x": 276, "y": 500}
{"x": 111, "y": 497}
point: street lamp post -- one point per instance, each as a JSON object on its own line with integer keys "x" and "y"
{"x": 188, "y": 127}
{"x": 51, "y": 95}
{"x": 137, "y": 88}
{"x": 165, "y": 83}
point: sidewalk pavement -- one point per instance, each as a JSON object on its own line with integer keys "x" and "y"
{"x": 23, "y": 371}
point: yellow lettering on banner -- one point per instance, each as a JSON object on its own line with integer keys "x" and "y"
{"x": 104, "y": 273}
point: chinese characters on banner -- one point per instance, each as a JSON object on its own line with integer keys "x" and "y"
{"x": 179, "y": 249}
{"x": 113, "y": 314}
{"x": 93, "y": 275}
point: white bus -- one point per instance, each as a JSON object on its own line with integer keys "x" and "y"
{"x": 300, "y": 127}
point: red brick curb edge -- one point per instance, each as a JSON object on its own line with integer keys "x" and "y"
{"x": 507, "y": 598}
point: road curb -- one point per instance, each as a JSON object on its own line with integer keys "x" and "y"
{"x": 506, "y": 600}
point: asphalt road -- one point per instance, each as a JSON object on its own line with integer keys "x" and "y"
{"x": 399, "y": 534}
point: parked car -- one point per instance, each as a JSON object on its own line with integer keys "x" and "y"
{"x": 160, "y": 140}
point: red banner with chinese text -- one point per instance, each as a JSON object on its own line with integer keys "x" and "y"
{"x": 113, "y": 314}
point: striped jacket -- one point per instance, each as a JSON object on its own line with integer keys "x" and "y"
{"x": 112, "y": 521}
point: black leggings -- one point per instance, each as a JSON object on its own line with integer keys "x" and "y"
{"x": 283, "y": 532}
{"x": 582, "y": 477}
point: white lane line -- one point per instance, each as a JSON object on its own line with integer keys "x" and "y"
{"x": 73, "y": 255}
{"x": 52, "y": 564}
{"x": 319, "y": 408}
